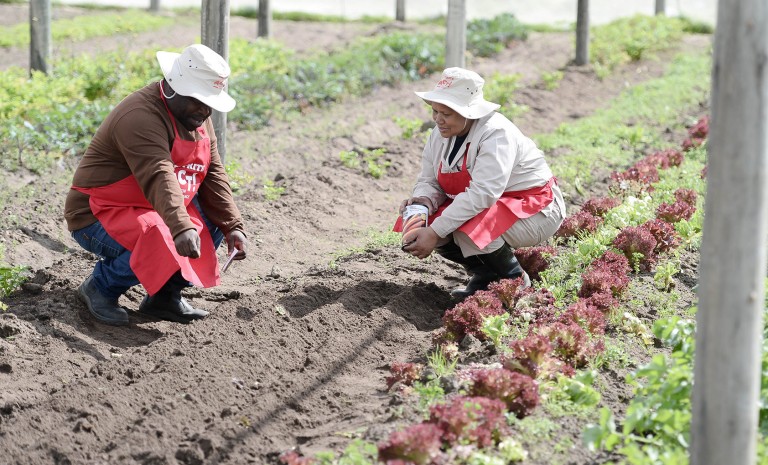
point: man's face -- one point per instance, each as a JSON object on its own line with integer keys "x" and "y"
{"x": 189, "y": 111}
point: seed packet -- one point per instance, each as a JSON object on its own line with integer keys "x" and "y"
{"x": 414, "y": 217}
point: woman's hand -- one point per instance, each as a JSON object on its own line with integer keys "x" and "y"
{"x": 424, "y": 242}
{"x": 420, "y": 200}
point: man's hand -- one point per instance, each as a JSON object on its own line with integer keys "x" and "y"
{"x": 420, "y": 200}
{"x": 236, "y": 240}
{"x": 188, "y": 244}
{"x": 424, "y": 242}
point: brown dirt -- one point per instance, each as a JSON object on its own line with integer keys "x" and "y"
{"x": 301, "y": 334}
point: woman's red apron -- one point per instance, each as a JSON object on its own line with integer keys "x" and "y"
{"x": 129, "y": 218}
{"x": 491, "y": 223}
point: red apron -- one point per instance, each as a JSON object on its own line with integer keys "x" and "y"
{"x": 129, "y": 218}
{"x": 491, "y": 223}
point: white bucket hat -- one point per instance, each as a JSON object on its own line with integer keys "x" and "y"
{"x": 198, "y": 72}
{"x": 461, "y": 90}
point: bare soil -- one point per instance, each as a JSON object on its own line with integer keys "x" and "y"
{"x": 301, "y": 334}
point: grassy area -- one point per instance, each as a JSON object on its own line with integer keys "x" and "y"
{"x": 630, "y": 124}
{"x": 89, "y": 26}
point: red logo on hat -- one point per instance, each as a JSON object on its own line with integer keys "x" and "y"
{"x": 220, "y": 83}
{"x": 444, "y": 83}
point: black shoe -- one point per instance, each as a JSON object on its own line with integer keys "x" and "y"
{"x": 480, "y": 274}
{"x": 504, "y": 263}
{"x": 104, "y": 309}
{"x": 170, "y": 308}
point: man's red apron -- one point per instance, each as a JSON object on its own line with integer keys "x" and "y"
{"x": 129, "y": 218}
{"x": 492, "y": 222}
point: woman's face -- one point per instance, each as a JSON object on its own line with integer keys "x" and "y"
{"x": 448, "y": 122}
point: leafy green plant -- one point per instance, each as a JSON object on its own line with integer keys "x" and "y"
{"x": 11, "y": 277}
{"x": 552, "y": 79}
{"x": 495, "y": 327}
{"x": 664, "y": 274}
{"x": 631, "y": 39}
{"x": 410, "y": 127}
{"x": 238, "y": 177}
{"x": 349, "y": 158}
{"x": 88, "y": 26}
{"x": 501, "y": 89}
{"x": 441, "y": 364}
{"x": 272, "y": 191}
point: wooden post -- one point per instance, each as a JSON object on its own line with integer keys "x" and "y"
{"x": 727, "y": 368}
{"x": 660, "y": 7}
{"x": 456, "y": 34}
{"x": 582, "y": 32}
{"x": 400, "y": 10}
{"x": 154, "y": 6}
{"x": 215, "y": 34}
{"x": 265, "y": 19}
{"x": 40, "y": 35}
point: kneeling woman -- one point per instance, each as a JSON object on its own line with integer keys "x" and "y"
{"x": 486, "y": 185}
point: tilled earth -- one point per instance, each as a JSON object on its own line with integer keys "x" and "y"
{"x": 301, "y": 334}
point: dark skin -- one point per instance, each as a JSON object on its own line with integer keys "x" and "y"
{"x": 450, "y": 124}
{"x": 192, "y": 113}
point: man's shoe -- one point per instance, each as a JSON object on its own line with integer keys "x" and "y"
{"x": 170, "y": 308}
{"x": 104, "y": 309}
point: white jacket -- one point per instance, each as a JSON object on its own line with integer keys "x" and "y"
{"x": 500, "y": 159}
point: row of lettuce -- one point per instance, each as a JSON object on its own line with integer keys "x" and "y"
{"x": 575, "y": 321}
{"x": 550, "y": 347}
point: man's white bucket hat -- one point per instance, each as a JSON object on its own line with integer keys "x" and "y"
{"x": 462, "y": 91}
{"x": 198, "y": 72}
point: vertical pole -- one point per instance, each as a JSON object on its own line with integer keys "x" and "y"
{"x": 154, "y": 6}
{"x": 733, "y": 253}
{"x": 456, "y": 34}
{"x": 582, "y": 32}
{"x": 40, "y": 35}
{"x": 265, "y": 19}
{"x": 215, "y": 34}
{"x": 661, "y": 8}
{"x": 400, "y": 10}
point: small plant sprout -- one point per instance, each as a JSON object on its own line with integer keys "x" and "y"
{"x": 632, "y": 325}
{"x": 495, "y": 328}
{"x": 441, "y": 364}
{"x": 349, "y": 158}
{"x": 272, "y": 191}
{"x": 410, "y": 127}
{"x": 552, "y": 79}
{"x": 664, "y": 274}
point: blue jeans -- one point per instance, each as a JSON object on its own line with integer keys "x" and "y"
{"x": 112, "y": 274}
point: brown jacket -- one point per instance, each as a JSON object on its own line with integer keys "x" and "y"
{"x": 136, "y": 138}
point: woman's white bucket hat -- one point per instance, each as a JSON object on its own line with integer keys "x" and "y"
{"x": 198, "y": 72}
{"x": 461, "y": 90}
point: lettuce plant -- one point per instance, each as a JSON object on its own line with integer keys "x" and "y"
{"x": 571, "y": 343}
{"x": 507, "y": 290}
{"x": 534, "y": 260}
{"x": 467, "y": 317}
{"x": 470, "y": 420}
{"x": 404, "y": 372}
{"x": 638, "y": 245}
{"x": 688, "y": 196}
{"x": 418, "y": 444}
{"x": 533, "y": 356}
{"x": 664, "y": 233}
{"x": 586, "y": 315}
{"x": 607, "y": 275}
{"x": 580, "y": 222}
{"x": 518, "y": 391}
{"x": 599, "y": 206}
{"x": 292, "y": 457}
{"x": 674, "y": 212}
